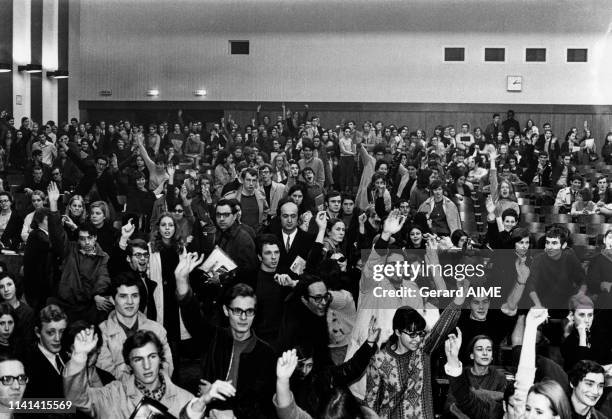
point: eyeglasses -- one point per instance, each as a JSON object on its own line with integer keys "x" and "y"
{"x": 318, "y": 299}
{"x": 238, "y": 312}
{"x": 341, "y": 259}
{"x": 143, "y": 255}
{"x": 180, "y": 211}
{"x": 8, "y": 380}
{"x": 412, "y": 335}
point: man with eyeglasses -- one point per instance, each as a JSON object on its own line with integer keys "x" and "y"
{"x": 235, "y": 355}
{"x": 13, "y": 381}
{"x": 273, "y": 191}
{"x": 124, "y": 322}
{"x": 234, "y": 240}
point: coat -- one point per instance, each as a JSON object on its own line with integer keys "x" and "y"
{"x": 118, "y": 399}
{"x": 450, "y": 210}
{"x": 113, "y": 336}
{"x": 83, "y": 276}
{"x": 277, "y": 192}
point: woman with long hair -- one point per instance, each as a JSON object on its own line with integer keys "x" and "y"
{"x": 165, "y": 249}
{"x": 74, "y": 216}
{"x": 280, "y": 169}
{"x": 547, "y": 400}
{"x": 11, "y": 293}
{"x": 502, "y": 191}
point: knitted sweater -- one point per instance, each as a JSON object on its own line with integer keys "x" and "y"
{"x": 399, "y": 386}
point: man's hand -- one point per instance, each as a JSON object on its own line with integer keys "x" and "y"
{"x": 219, "y": 390}
{"x": 103, "y": 304}
{"x": 362, "y": 218}
{"x": 187, "y": 263}
{"x": 393, "y": 223}
{"x": 85, "y": 341}
{"x": 286, "y": 364}
{"x": 285, "y": 280}
{"x": 128, "y": 229}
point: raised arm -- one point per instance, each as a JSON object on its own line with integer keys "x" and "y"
{"x": 57, "y": 235}
{"x": 143, "y": 152}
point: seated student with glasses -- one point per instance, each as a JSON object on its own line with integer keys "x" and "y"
{"x": 235, "y": 355}
{"x": 399, "y": 375}
{"x": 13, "y": 381}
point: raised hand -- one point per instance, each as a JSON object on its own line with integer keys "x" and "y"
{"x": 362, "y": 218}
{"x": 187, "y": 263}
{"x": 394, "y": 222}
{"x": 85, "y": 341}
{"x": 452, "y": 346}
{"x": 536, "y": 316}
{"x": 286, "y": 364}
{"x": 53, "y": 192}
{"x": 171, "y": 170}
{"x": 373, "y": 331}
{"x": 128, "y": 229}
{"x": 321, "y": 220}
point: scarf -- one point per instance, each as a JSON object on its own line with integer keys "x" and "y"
{"x": 156, "y": 394}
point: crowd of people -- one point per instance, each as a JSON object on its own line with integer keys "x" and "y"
{"x": 131, "y": 251}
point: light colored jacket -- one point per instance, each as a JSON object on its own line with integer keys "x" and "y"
{"x": 369, "y": 162}
{"x": 261, "y": 202}
{"x": 277, "y": 192}
{"x": 113, "y": 336}
{"x": 118, "y": 399}
{"x": 450, "y": 211}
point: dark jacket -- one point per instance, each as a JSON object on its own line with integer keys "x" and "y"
{"x": 105, "y": 184}
{"x": 44, "y": 380}
{"x": 39, "y": 264}
{"x": 312, "y": 393}
{"x": 83, "y": 276}
{"x": 256, "y": 379}
{"x": 240, "y": 247}
{"x": 11, "y": 237}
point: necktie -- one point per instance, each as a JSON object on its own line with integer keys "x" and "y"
{"x": 288, "y": 244}
{"x": 59, "y": 364}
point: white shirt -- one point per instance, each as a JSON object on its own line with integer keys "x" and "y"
{"x": 291, "y": 238}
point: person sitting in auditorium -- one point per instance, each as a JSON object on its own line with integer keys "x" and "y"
{"x": 10, "y": 223}
{"x": 556, "y": 274}
{"x": 84, "y": 281}
{"x": 11, "y": 292}
{"x": 124, "y": 321}
{"x": 500, "y": 228}
{"x": 144, "y": 354}
{"x": 568, "y": 195}
{"x": 587, "y": 379}
{"x": 441, "y": 211}
{"x": 480, "y": 378}
{"x": 583, "y": 205}
{"x": 236, "y": 355}
{"x": 44, "y": 364}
